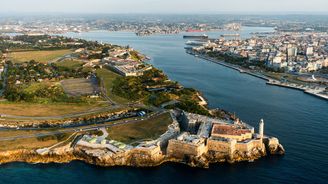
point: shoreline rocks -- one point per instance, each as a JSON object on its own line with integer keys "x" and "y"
{"x": 134, "y": 158}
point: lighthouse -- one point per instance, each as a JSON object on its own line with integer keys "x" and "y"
{"x": 261, "y": 128}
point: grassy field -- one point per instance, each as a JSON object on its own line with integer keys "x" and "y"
{"x": 108, "y": 77}
{"x": 143, "y": 130}
{"x": 78, "y": 87}
{"x": 68, "y": 63}
{"x": 32, "y": 143}
{"x": 33, "y": 87}
{"x": 39, "y": 56}
{"x": 289, "y": 77}
{"x": 12, "y": 133}
{"x": 37, "y": 110}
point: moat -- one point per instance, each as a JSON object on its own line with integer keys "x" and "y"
{"x": 296, "y": 119}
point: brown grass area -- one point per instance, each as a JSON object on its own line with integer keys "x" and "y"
{"x": 147, "y": 129}
{"x": 32, "y": 143}
{"x": 13, "y": 133}
{"x": 39, "y": 56}
{"x": 78, "y": 86}
{"x": 35, "y": 110}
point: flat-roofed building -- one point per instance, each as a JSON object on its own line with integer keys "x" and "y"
{"x": 231, "y": 132}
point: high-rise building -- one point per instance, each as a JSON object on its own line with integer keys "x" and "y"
{"x": 292, "y": 51}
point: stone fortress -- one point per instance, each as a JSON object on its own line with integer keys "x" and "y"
{"x": 192, "y": 139}
{"x": 220, "y": 139}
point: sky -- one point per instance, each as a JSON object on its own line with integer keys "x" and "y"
{"x": 163, "y": 6}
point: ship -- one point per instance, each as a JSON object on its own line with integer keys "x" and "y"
{"x": 204, "y": 36}
{"x": 194, "y": 43}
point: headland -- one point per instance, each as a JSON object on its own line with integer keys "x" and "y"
{"x": 105, "y": 105}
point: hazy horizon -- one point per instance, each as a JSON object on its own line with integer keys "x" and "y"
{"x": 167, "y": 7}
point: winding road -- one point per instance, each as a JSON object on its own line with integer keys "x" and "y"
{"x": 76, "y": 129}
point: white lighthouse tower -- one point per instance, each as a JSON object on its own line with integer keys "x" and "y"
{"x": 261, "y": 128}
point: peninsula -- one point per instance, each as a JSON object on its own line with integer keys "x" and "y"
{"x": 65, "y": 99}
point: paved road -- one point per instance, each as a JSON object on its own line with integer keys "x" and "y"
{"x": 72, "y": 115}
{"x": 69, "y": 130}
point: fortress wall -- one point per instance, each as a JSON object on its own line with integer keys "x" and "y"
{"x": 172, "y": 132}
{"x": 179, "y": 149}
{"x": 219, "y": 146}
{"x": 152, "y": 150}
{"x": 248, "y": 146}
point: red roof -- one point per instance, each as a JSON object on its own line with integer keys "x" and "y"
{"x": 229, "y": 130}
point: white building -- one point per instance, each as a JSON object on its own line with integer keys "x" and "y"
{"x": 309, "y": 51}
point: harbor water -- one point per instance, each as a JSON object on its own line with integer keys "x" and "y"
{"x": 300, "y": 121}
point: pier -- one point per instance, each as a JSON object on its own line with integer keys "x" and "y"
{"x": 307, "y": 90}
{"x": 234, "y": 67}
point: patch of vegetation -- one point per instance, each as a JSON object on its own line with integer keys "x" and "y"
{"x": 52, "y": 109}
{"x": 136, "y": 56}
{"x": 39, "y": 56}
{"x": 33, "y": 143}
{"x": 193, "y": 107}
{"x": 136, "y": 88}
{"x": 129, "y": 87}
{"x": 143, "y": 130}
{"x": 158, "y": 98}
{"x": 229, "y": 58}
{"x": 58, "y": 137}
{"x": 107, "y": 78}
{"x": 39, "y": 93}
{"x": 36, "y": 82}
{"x": 70, "y": 64}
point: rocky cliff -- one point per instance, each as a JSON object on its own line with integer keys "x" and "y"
{"x": 133, "y": 158}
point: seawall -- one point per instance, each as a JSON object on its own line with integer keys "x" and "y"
{"x": 269, "y": 80}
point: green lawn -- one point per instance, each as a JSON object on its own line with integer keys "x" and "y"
{"x": 31, "y": 143}
{"x": 39, "y": 56}
{"x": 37, "y": 110}
{"x": 289, "y": 77}
{"x": 108, "y": 77}
{"x": 71, "y": 64}
{"x": 143, "y": 130}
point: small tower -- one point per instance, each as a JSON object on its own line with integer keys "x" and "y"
{"x": 261, "y": 128}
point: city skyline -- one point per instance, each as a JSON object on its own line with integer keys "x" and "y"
{"x": 167, "y": 7}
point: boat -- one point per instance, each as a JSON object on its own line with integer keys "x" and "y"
{"x": 204, "y": 36}
{"x": 194, "y": 43}
{"x": 230, "y": 35}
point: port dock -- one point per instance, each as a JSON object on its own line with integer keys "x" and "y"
{"x": 314, "y": 92}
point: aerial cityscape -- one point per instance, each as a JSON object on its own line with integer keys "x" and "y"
{"x": 143, "y": 92}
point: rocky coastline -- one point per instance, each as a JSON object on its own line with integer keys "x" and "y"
{"x": 169, "y": 147}
{"x": 133, "y": 158}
